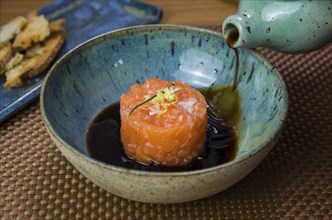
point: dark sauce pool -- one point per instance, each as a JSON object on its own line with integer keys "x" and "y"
{"x": 104, "y": 141}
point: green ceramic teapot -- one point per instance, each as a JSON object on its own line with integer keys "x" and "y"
{"x": 289, "y": 26}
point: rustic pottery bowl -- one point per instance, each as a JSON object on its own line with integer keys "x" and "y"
{"x": 96, "y": 73}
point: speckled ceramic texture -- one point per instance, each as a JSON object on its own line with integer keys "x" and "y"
{"x": 95, "y": 74}
{"x": 286, "y": 26}
{"x": 85, "y": 19}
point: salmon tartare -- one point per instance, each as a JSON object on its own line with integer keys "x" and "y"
{"x": 163, "y": 122}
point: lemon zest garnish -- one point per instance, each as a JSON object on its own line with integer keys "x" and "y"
{"x": 163, "y": 99}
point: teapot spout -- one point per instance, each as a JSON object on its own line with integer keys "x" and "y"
{"x": 241, "y": 31}
{"x": 284, "y": 26}
{"x": 234, "y": 34}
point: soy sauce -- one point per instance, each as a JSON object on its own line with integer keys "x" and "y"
{"x": 236, "y": 73}
{"x": 231, "y": 39}
{"x": 104, "y": 142}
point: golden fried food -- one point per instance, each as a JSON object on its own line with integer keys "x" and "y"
{"x": 35, "y": 31}
{"x": 5, "y": 55}
{"x": 33, "y": 49}
{"x": 32, "y": 66}
{"x": 10, "y": 29}
{"x": 14, "y": 61}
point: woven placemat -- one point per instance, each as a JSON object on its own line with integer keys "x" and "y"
{"x": 293, "y": 182}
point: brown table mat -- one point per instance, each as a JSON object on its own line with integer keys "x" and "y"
{"x": 293, "y": 182}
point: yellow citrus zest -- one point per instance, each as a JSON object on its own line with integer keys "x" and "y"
{"x": 165, "y": 98}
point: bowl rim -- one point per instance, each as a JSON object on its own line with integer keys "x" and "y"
{"x": 160, "y": 27}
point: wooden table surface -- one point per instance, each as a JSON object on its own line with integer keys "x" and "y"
{"x": 189, "y": 12}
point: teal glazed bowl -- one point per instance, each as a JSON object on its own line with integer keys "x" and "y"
{"x": 95, "y": 74}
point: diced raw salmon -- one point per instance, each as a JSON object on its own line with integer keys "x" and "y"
{"x": 173, "y": 138}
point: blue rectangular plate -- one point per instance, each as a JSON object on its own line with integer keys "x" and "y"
{"x": 85, "y": 19}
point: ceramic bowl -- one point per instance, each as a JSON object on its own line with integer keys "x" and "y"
{"x": 95, "y": 74}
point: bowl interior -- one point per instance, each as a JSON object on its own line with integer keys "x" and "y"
{"x": 96, "y": 73}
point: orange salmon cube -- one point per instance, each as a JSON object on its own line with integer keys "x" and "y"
{"x": 173, "y": 137}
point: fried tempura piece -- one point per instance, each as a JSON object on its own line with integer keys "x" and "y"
{"x": 32, "y": 66}
{"x": 5, "y": 55}
{"x": 35, "y": 31}
{"x": 10, "y": 29}
{"x": 14, "y": 61}
{"x": 35, "y": 50}
{"x": 56, "y": 26}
